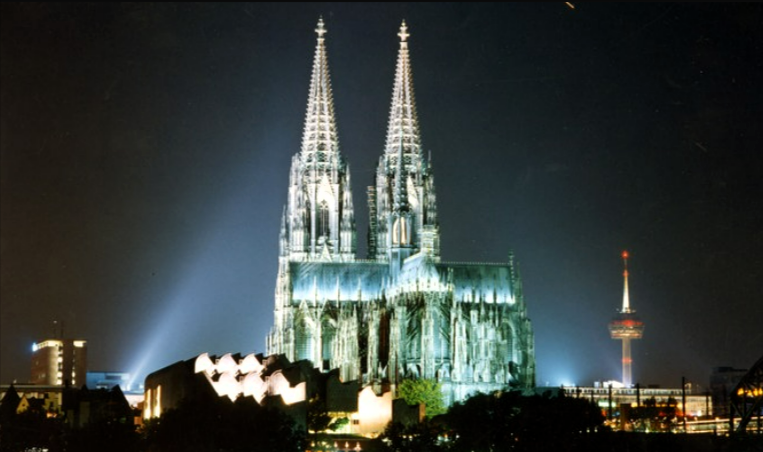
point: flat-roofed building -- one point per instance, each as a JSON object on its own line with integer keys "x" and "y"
{"x": 59, "y": 362}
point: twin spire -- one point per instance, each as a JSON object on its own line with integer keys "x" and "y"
{"x": 403, "y": 139}
{"x": 320, "y": 142}
{"x": 403, "y": 128}
{"x": 402, "y": 199}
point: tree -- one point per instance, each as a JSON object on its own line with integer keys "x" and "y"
{"x": 421, "y": 437}
{"x": 103, "y": 434}
{"x": 204, "y": 423}
{"x": 318, "y": 418}
{"x": 29, "y": 429}
{"x": 511, "y": 421}
{"x": 428, "y": 392}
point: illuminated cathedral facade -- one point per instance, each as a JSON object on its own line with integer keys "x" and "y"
{"x": 401, "y": 312}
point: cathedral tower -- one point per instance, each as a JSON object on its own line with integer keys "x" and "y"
{"x": 319, "y": 222}
{"x": 402, "y": 204}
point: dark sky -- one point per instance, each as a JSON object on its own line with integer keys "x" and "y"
{"x": 145, "y": 155}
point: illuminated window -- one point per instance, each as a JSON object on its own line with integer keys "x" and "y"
{"x": 46, "y": 344}
{"x": 400, "y": 232}
{"x": 147, "y": 404}
{"x": 158, "y": 401}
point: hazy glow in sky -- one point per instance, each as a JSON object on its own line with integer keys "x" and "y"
{"x": 145, "y": 153}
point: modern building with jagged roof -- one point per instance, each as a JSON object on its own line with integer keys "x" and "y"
{"x": 401, "y": 312}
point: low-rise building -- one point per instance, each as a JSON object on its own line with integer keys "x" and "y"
{"x": 275, "y": 381}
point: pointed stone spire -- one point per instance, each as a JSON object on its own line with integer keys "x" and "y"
{"x": 403, "y": 128}
{"x": 403, "y": 206}
{"x": 320, "y": 144}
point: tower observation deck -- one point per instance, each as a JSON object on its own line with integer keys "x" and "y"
{"x": 626, "y": 327}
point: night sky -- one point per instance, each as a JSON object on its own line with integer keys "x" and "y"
{"x": 146, "y": 147}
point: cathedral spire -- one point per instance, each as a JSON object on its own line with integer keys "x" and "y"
{"x": 403, "y": 128}
{"x": 320, "y": 145}
{"x": 320, "y": 223}
{"x": 403, "y": 205}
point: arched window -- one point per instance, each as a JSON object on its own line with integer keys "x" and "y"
{"x": 328, "y": 333}
{"x": 303, "y": 340}
{"x": 400, "y": 232}
{"x": 323, "y": 226}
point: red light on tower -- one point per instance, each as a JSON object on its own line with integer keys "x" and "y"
{"x": 625, "y": 255}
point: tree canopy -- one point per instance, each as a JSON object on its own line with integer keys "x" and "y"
{"x": 511, "y": 421}
{"x": 217, "y": 424}
{"x": 428, "y": 392}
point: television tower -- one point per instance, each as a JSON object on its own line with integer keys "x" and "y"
{"x": 626, "y": 326}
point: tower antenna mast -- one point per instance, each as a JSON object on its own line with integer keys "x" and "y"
{"x": 626, "y": 326}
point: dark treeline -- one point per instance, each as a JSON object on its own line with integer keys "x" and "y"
{"x": 199, "y": 424}
{"x": 540, "y": 423}
{"x": 498, "y": 422}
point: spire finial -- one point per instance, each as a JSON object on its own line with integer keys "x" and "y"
{"x": 321, "y": 30}
{"x": 403, "y": 33}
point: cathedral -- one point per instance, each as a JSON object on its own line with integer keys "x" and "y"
{"x": 401, "y": 312}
